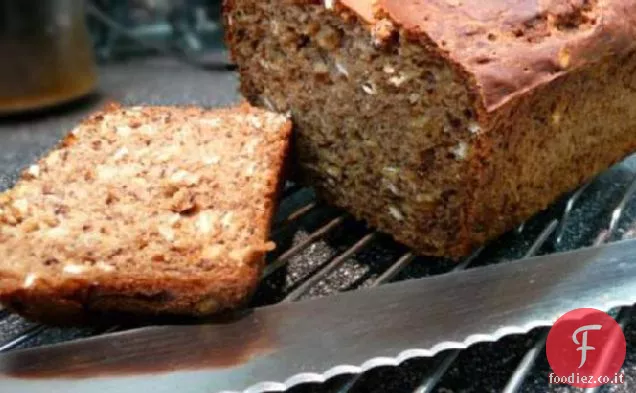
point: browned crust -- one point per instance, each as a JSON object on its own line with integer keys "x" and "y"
{"x": 82, "y": 301}
{"x": 512, "y": 47}
{"x": 79, "y": 300}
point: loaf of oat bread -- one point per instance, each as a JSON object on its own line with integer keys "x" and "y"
{"x": 144, "y": 210}
{"x": 444, "y": 123}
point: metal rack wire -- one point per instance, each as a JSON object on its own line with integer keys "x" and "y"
{"x": 551, "y": 234}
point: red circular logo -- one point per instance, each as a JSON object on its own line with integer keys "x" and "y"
{"x": 586, "y": 348}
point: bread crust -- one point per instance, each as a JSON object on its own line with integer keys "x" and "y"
{"x": 120, "y": 299}
{"x": 512, "y": 47}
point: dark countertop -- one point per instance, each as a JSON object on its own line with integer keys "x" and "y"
{"x": 482, "y": 368}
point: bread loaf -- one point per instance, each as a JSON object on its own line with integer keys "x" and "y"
{"x": 146, "y": 211}
{"x": 444, "y": 123}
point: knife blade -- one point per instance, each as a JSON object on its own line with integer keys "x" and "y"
{"x": 276, "y": 347}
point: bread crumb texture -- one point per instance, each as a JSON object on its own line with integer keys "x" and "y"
{"x": 144, "y": 210}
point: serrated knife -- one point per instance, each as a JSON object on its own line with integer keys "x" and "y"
{"x": 276, "y": 347}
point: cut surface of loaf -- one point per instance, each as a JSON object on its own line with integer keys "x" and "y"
{"x": 144, "y": 210}
{"x": 444, "y": 123}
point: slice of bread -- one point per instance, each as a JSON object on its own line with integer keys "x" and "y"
{"x": 144, "y": 210}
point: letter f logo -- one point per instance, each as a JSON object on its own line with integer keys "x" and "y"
{"x": 584, "y": 347}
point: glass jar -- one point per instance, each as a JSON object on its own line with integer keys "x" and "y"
{"x": 46, "y": 55}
